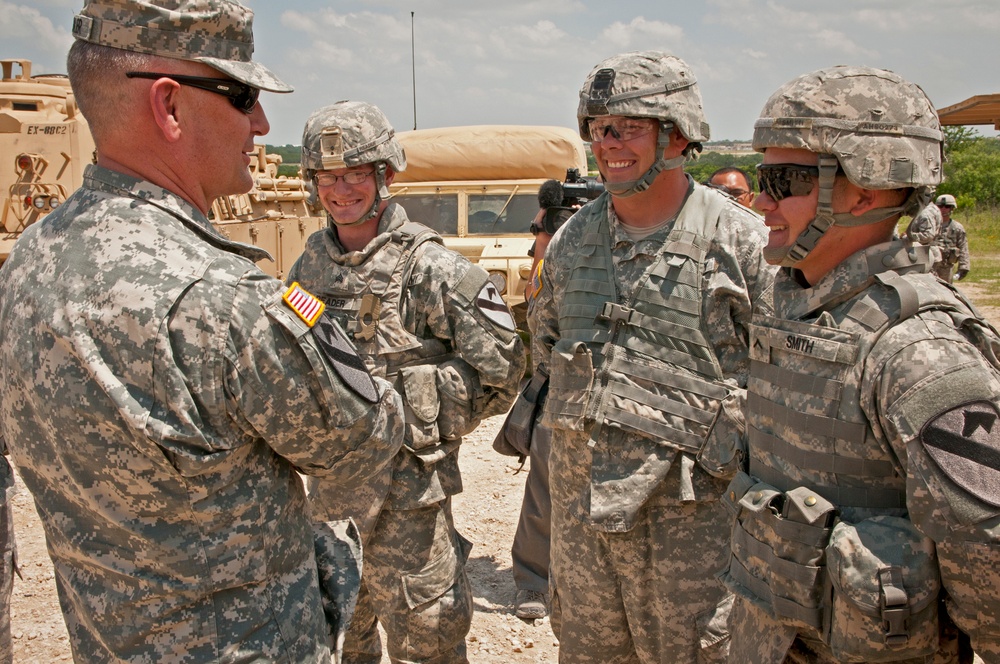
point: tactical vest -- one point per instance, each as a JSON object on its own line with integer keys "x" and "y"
{"x": 653, "y": 372}
{"x": 805, "y": 424}
{"x": 814, "y": 457}
{"x": 366, "y": 300}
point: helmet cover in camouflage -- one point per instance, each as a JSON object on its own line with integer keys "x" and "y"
{"x": 946, "y": 199}
{"x": 879, "y": 129}
{"x": 882, "y": 129}
{"x": 348, "y": 134}
{"x": 644, "y": 84}
{"x": 218, "y": 33}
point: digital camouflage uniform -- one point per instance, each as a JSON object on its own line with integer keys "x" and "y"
{"x": 646, "y": 346}
{"x": 8, "y": 551}
{"x": 638, "y": 531}
{"x": 954, "y": 246}
{"x": 159, "y": 395}
{"x": 868, "y": 518}
{"x": 430, "y": 322}
{"x": 924, "y": 227}
{"x": 158, "y": 398}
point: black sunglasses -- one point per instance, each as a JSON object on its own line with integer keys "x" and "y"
{"x": 783, "y": 180}
{"x": 242, "y": 96}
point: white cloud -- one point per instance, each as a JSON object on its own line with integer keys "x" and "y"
{"x": 643, "y": 33}
{"x": 26, "y": 32}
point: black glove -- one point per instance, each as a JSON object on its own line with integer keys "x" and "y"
{"x": 961, "y": 274}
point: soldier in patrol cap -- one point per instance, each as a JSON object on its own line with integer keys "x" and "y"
{"x": 160, "y": 393}
{"x": 431, "y": 323}
{"x": 642, "y": 320}
{"x": 867, "y": 521}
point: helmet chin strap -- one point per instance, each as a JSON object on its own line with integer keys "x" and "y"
{"x": 381, "y": 193}
{"x": 633, "y": 187}
{"x": 826, "y": 218}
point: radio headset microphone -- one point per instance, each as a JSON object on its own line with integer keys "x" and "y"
{"x": 550, "y": 194}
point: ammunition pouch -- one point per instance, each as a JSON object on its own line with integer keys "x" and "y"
{"x": 868, "y": 590}
{"x": 886, "y": 586}
{"x": 778, "y": 559}
{"x": 514, "y": 437}
{"x": 461, "y": 397}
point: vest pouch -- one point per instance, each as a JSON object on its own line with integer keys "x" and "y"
{"x": 571, "y": 381}
{"x": 724, "y": 449}
{"x": 461, "y": 396}
{"x": 420, "y": 405}
{"x": 778, "y": 551}
{"x": 886, "y": 585}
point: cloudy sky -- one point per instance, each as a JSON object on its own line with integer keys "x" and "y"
{"x": 523, "y": 61}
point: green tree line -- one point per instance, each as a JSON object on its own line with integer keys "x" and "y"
{"x": 971, "y": 168}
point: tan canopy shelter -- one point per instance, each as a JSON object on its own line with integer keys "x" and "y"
{"x": 491, "y": 152}
{"x": 978, "y": 110}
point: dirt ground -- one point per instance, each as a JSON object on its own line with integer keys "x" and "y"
{"x": 486, "y": 513}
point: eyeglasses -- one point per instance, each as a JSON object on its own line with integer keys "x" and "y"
{"x": 734, "y": 192}
{"x": 783, "y": 180}
{"x": 350, "y": 177}
{"x": 623, "y": 129}
{"x": 242, "y": 96}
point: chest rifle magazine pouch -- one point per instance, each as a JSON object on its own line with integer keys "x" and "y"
{"x": 778, "y": 557}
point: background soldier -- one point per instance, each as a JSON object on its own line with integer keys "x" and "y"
{"x": 159, "y": 393}
{"x": 735, "y": 182}
{"x": 641, "y": 318}
{"x": 428, "y": 320}
{"x": 530, "y": 550}
{"x": 872, "y": 414}
{"x": 951, "y": 240}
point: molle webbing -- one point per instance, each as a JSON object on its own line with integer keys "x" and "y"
{"x": 806, "y": 576}
{"x": 661, "y": 378}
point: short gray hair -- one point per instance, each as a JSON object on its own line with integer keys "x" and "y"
{"x": 97, "y": 76}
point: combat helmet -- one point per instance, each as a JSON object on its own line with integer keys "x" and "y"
{"x": 877, "y": 128}
{"x": 646, "y": 84}
{"x": 348, "y": 134}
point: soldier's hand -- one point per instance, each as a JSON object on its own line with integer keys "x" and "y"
{"x": 961, "y": 274}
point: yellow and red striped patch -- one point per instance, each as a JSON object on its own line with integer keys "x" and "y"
{"x": 306, "y": 306}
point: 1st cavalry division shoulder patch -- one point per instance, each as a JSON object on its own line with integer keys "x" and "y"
{"x": 332, "y": 341}
{"x": 493, "y": 307}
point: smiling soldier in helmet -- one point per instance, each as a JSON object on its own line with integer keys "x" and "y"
{"x": 642, "y": 320}
{"x": 867, "y": 519}
{"x": 432, "y": 323}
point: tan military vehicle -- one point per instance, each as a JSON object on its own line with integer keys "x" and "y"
{"x": 275, "y": 215}
{"x": 478, "y": 187}
{"x": 45, "y": 144}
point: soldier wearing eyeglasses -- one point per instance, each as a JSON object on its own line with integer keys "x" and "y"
{"x": 642, "y": 319}
{"x": 431, "y": 323}
{"x": 160, "y": 394}
{"x": 735, "y": 182}
{"x": 867, "y": 517}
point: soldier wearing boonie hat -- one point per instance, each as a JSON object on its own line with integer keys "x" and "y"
{"x": 865, "y": 519}
{"x": 161, "y": 393}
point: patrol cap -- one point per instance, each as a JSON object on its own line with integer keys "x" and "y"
{"x": 218, "y": 33}
{"x": 946, "y": 199}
